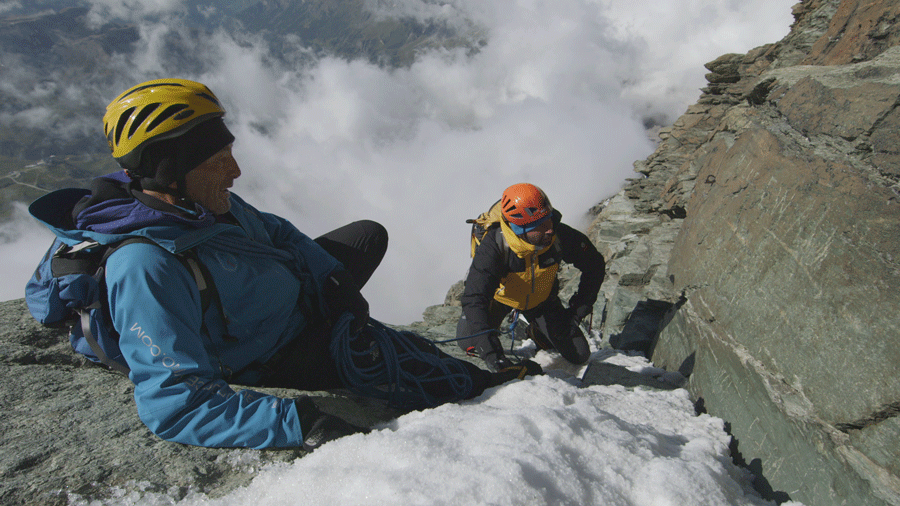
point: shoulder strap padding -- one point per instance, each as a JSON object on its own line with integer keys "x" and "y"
{"x": 187, "y": 258}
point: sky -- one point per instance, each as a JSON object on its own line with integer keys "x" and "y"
{"x": 546, "y": 440}
{"x": 559, "y": 97}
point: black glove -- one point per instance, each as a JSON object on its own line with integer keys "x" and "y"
{"x": 516, "y": 371}
{"x": 502, "y": 362}
{"x": 318, "y": 428}
{"x": 495, "y": 360}
{"x": 490, "y": 350}
{"x": 579, "y": 312}
{"x": 341, "y": 294}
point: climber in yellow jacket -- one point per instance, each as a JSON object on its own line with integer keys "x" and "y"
{"x": 515, "y": 267}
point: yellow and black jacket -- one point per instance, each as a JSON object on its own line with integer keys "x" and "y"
{"x": 521, "y": 276}
{"x": 528, "y": 287}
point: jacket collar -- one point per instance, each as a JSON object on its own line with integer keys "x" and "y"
{"x": 114, "y": 209}
{"x": 519, "y": 246}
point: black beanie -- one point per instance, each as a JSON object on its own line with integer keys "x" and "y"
{"x": 167, "y": 161}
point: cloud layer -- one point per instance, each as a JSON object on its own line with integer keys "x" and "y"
{"x": 558, "y": 97}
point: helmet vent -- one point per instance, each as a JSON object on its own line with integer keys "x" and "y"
{"x": 170, "y": 111}
{"x": 141, "y": 117}
{"x": 209, "y": 97}
{"x": 153, "y": 111}
{"x": 123, "y": 119}
{"x": 524, "y": 203}
{"x": 183, "y": 115}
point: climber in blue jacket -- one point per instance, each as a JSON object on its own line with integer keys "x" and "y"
{"x": 279, "y": 292}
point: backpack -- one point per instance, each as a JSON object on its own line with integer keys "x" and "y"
{"x": 484, "y": 223}
{"x": 68, "y": 288}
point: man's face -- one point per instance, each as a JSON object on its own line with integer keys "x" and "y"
{"x": 208, "y": 184}
{"x": 540, "y": 235}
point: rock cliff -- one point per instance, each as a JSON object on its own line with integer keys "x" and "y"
{"x": 758, "y": 252}
{"x": 755, "y": 252}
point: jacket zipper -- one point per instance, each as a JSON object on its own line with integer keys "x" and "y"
{"x": 528, "y": 297}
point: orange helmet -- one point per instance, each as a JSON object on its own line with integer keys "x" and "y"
{"x": 524, "y": 203}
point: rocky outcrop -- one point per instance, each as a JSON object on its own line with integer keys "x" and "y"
{"x": 71, "y": 427}
{"x": 758, "y": 254}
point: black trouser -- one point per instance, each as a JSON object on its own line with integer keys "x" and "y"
{"x": 360, "y": 246}
{"x": 306, "y": 363}
{"x": 549, "y": 325}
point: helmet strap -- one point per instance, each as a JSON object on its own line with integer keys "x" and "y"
{"x": 154, "y": 185}
{"x": 181, "y": 185}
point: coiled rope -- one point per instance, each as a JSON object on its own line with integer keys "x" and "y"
{"x": 401, "y": 367}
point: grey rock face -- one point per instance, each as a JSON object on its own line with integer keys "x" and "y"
{"x": 758, "y": 255}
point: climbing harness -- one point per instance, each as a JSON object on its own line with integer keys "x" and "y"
{"x": 400, "y": 367}
{"x": 510, "y": 329}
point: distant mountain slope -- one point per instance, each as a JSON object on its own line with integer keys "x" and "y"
{"x": 346, "y": 29}
{"x": 60, "y": 70}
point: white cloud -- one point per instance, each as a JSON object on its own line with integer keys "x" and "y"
{"x": 556, "y": 97}
{"x": 8, "y": 6}
{"x": 135, "y": 11}
{"x": 678, "y": 37}
{"x": 20, "y": 257}
{"x": 422, "y": 149}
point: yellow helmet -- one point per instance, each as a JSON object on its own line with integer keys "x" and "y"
{"x": 154, "y": 111}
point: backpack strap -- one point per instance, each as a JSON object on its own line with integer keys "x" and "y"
{"x": 208, "y": 291}
{"x": 192, "y": 263}
{"x": 504, "y": 246}
{"x": 72, "y": 265}
{"x": 188, "y": 259}
{"x": 85, "y": 317}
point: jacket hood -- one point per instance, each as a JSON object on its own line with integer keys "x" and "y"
{"x": 114, "y": 209}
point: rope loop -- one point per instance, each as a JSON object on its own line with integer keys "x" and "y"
{"x": 401, "y": 367}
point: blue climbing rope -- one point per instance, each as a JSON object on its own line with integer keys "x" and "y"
{"x": 511, "y": 330}
{"x": 514, "y": 319}
{"x": 401, "y": 367}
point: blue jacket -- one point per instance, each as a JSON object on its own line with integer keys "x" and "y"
{"x": 269, "y": 277}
